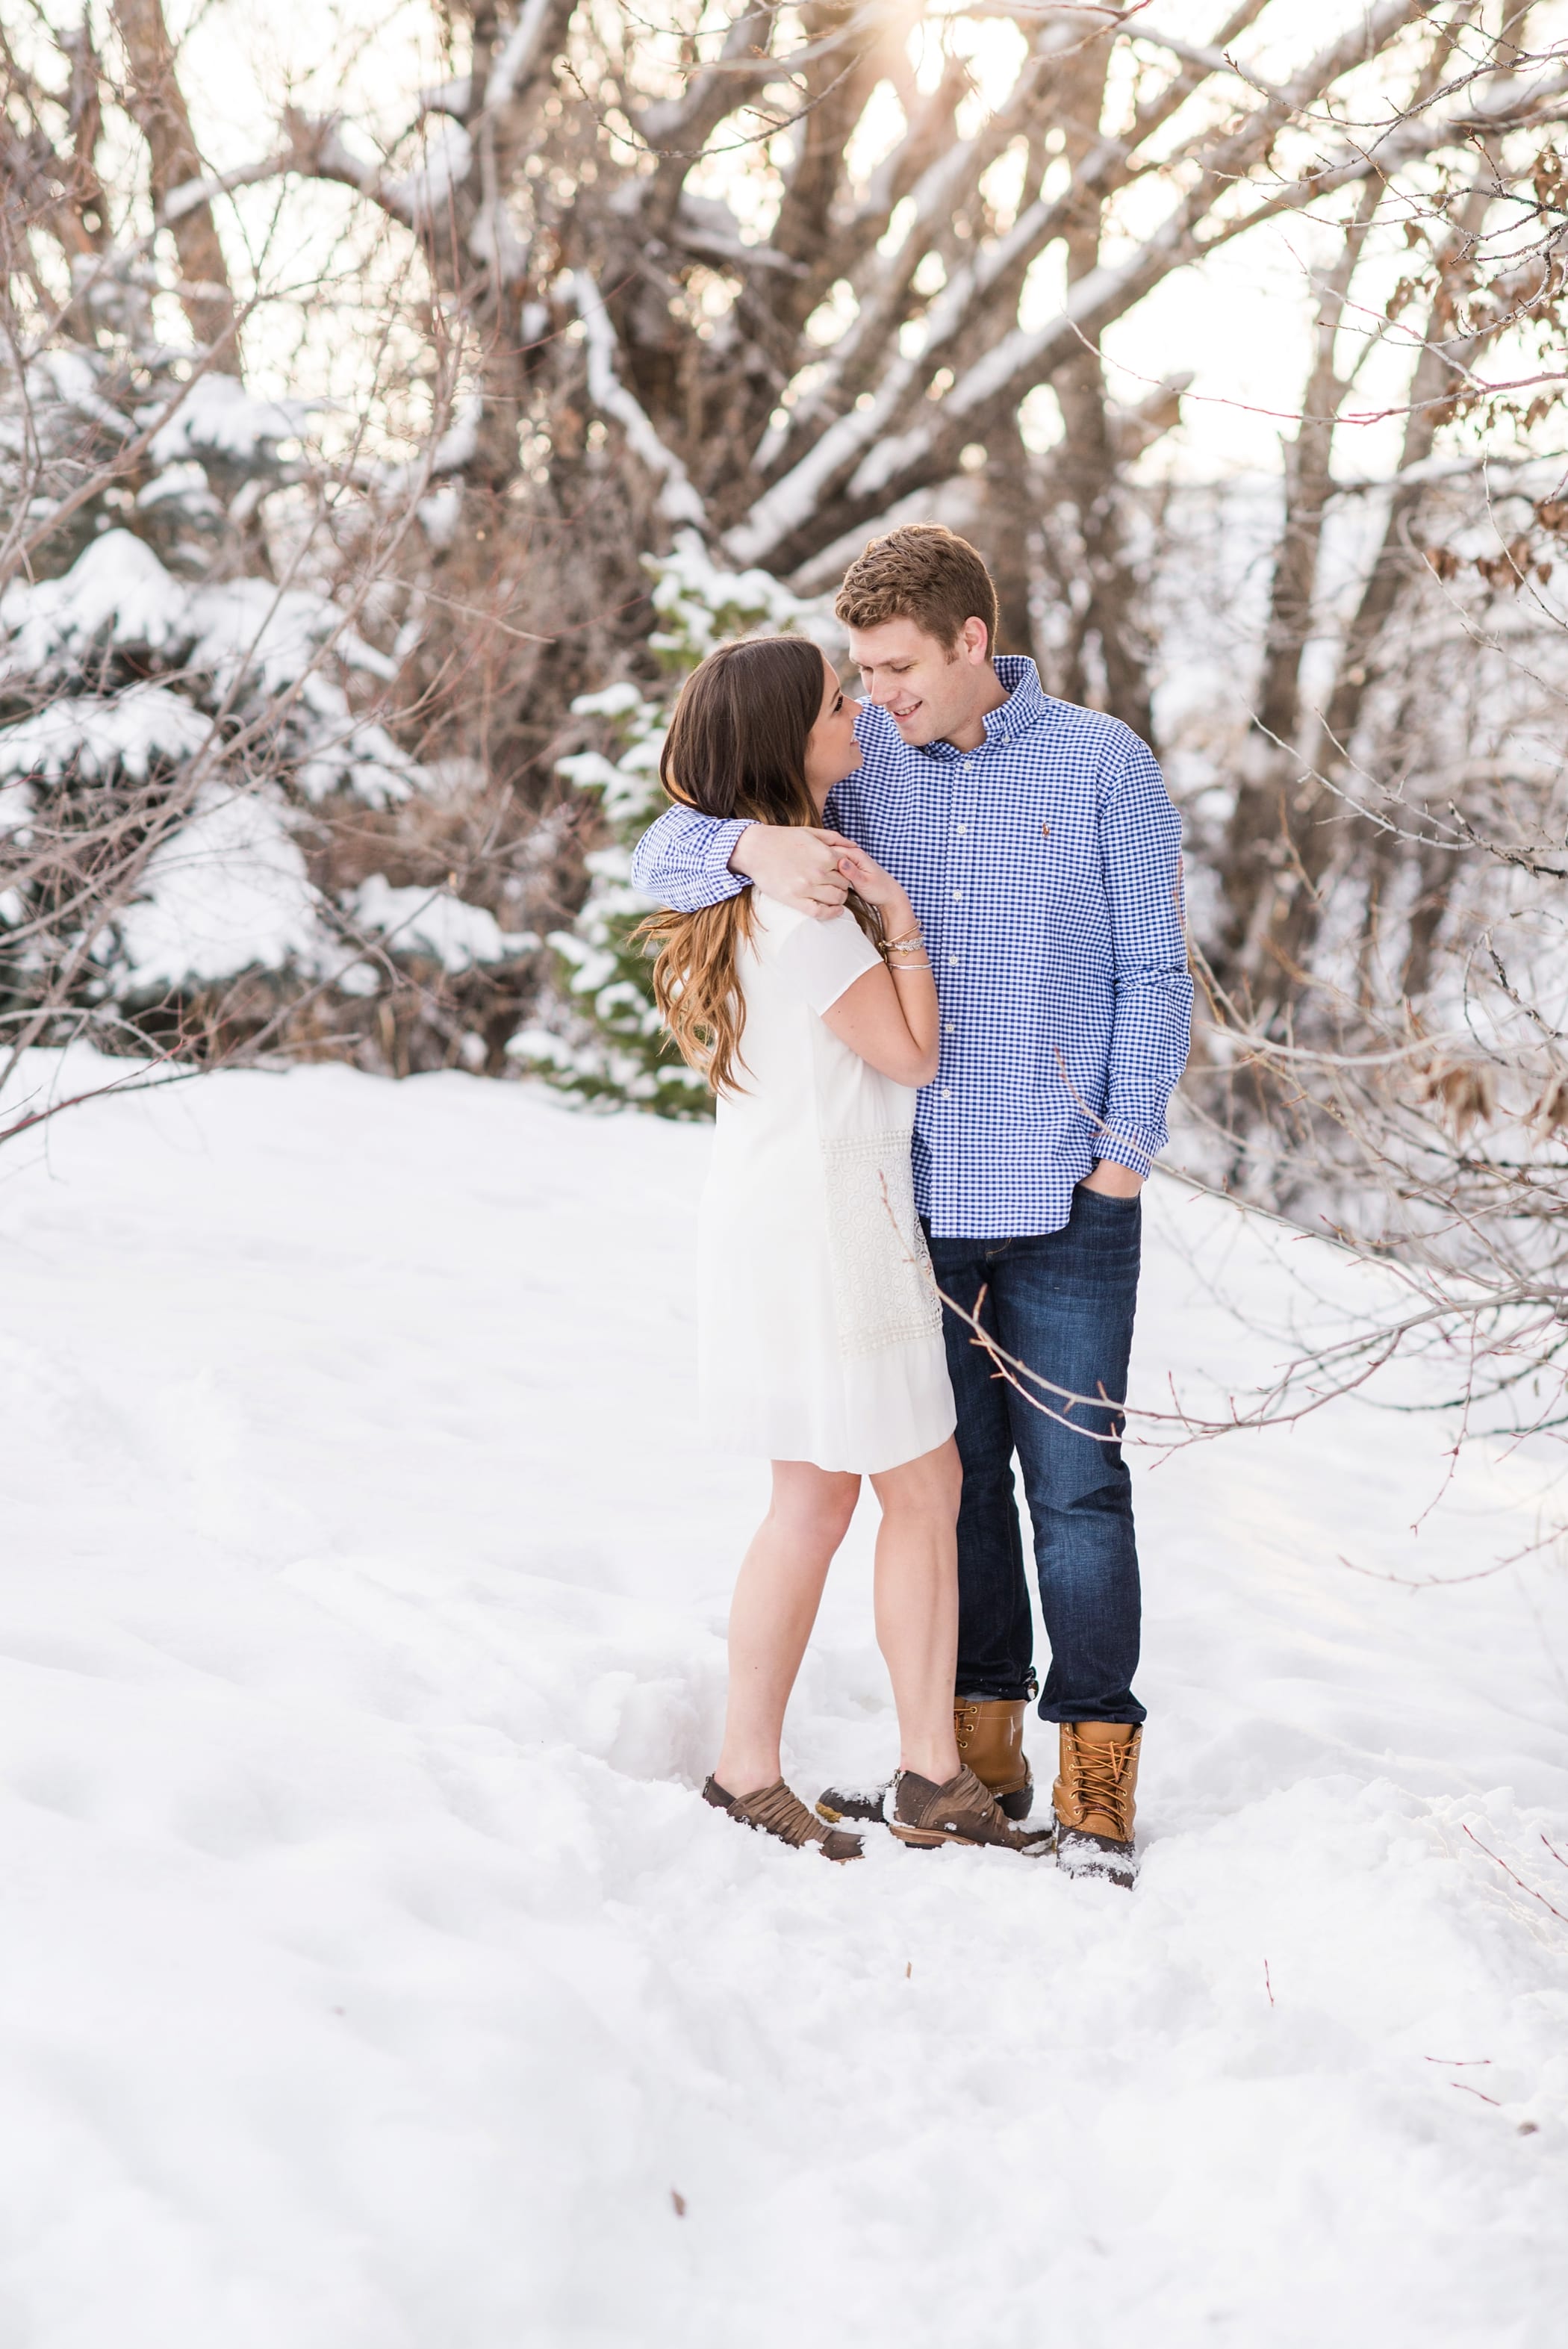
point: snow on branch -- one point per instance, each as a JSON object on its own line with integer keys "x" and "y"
{"x": 119, "y": 594}
{"x": 446, "y": 164}
{"x": 520, "y": 51}
{"x": 679, "y": 501}
{"x": 191, "y": 194}
{"x": 227, "y": 892}
{"x": 220, "y": 418}
{"x": 101, "y": 734}
{"x": 318, "y": 151}
{"x": 1192, "y": 53}
{"x": 864, "y": 455}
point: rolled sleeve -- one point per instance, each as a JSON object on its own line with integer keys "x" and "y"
{"x": 1141, "y": 841}
{"x": 683, "y": 859}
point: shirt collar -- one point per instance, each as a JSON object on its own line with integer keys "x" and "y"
{"x": 1024, "y": 706}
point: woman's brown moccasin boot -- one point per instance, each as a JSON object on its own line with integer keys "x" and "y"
{"x": 1093, "y": 1799}
{"x": 990, "y": 1733}
{"x": 867, "y": 1805}
{"x": 990, "y": 1736}
{"x": 775, "y": 1811}
{"x": 960, "y": 1811}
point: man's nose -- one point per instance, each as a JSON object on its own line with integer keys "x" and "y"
{"x": 881, "y": 691}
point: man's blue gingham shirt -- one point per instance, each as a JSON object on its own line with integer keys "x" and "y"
{"x": 1045, "y": 868}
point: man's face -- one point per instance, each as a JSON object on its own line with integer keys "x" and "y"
{"x": 928, "y": 688}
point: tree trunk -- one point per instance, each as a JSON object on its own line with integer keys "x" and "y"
{"x": 1106, "y": 656}
{"x": 159, "y": 105}
{"x": 1278, "y": 844}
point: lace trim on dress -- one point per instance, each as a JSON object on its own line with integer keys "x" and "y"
{"x": 883, "y": 1286}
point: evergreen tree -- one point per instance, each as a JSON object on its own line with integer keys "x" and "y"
{"x": 189, "y": 727}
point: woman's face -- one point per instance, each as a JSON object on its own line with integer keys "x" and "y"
{"x": 832, "y": 749}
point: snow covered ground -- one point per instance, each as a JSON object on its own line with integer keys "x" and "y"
{"x": 372, "y": 1977}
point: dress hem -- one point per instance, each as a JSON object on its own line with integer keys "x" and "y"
{"x": 749, "y": 1451}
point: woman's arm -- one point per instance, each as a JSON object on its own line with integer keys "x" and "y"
{"x": 890, "y": 1017}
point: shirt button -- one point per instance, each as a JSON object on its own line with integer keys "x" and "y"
{"x": 953, "y": 958}
{"x": 951, "y": 1030}
{"x": 947, "y": 1092}
{"x": 957, "y": 894}
{"x": 962, "y": 830}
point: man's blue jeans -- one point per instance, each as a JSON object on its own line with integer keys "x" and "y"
{"x": 1063, "y": 1303}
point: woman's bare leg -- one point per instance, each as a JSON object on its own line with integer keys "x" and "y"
{"x": 776, "y": 1594}
{"x": 917, "y": 1605}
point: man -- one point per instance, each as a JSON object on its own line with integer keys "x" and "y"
{"x": 1042, "y": 855}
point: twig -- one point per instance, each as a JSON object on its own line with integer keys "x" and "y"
{"x": 1517, "y": 1879}
{"x": 140, "y": 1081}
{"x": 1427, "y": 1581}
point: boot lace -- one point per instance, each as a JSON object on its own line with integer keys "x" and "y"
{"x": 1098, "y": 1772}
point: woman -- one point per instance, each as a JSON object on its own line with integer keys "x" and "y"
{"x": 821, "y": 1329}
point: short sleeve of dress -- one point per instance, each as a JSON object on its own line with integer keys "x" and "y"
{"x": 819, "y": 959}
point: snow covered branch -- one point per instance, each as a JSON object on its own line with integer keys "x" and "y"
{"x": 538, "y": 27}
{"x": 677, "y": 499}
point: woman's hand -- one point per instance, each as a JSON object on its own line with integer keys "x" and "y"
{"x": 877, "y": 888}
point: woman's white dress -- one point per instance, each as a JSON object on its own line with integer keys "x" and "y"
{"x": 819, "y": 1326}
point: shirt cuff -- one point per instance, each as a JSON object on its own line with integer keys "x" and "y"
{"x": 1127, "y": 1148}
{"x": 720, "y": 848}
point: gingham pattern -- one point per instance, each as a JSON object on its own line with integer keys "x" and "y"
{"x": 1045, "y": 871}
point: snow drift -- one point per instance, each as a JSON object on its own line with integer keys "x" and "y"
{"x": 373, "y": 1977}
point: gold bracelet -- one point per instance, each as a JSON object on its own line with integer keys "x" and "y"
{"x": 909, "y": 938}
{"x": 923, "y": 965}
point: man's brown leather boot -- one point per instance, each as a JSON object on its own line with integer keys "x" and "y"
{"x": 1093, "y": 1799}
{"x": 990, "y": 1734}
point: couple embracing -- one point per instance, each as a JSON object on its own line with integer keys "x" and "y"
{"x": 929, "y": 950}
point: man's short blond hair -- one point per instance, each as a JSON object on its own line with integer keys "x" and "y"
{"x": 924, "y": 574}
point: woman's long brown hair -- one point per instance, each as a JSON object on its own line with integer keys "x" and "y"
{"x": 736, "y": 747}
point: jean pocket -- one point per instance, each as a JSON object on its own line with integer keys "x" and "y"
{"x": 1106, "y": 1208}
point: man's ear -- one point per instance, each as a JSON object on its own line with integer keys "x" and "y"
{"x": 976, "y": 639}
